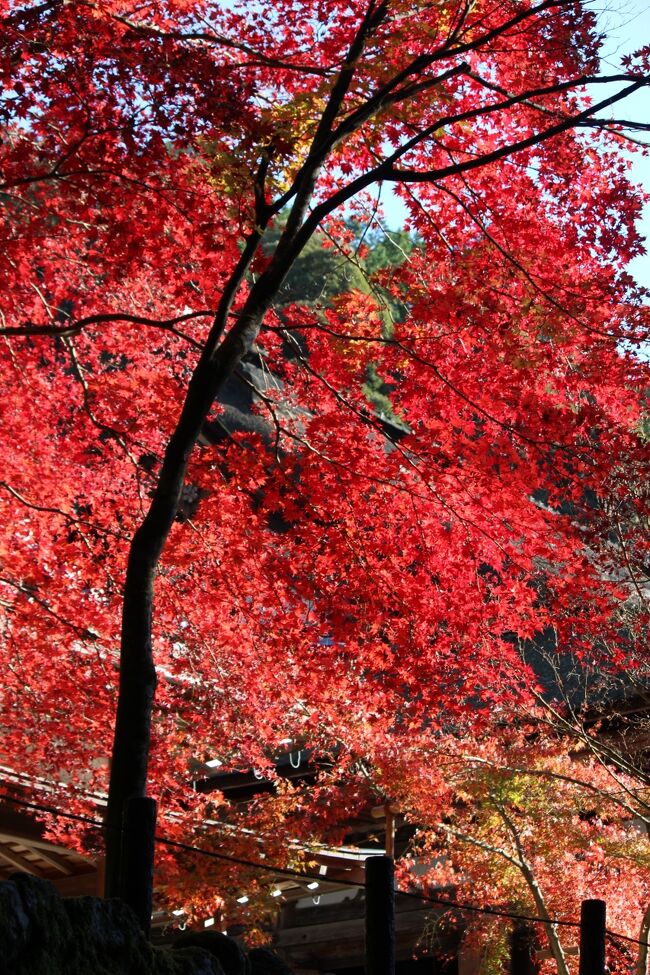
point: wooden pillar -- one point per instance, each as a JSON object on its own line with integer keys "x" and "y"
{"x": 380, "y": 916}
{"x": 592, "y": 937}
{"x": 388, "y": 812}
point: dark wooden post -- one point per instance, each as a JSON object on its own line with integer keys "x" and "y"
{"x": 522, "y": 961}
{"x": 139, "y": 828}
{"x": 592, "y": 937}
{"x": 380, "y": 916}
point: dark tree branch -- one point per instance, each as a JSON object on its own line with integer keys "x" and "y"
{"x": 428, "y": 176}
{"x": 78, "y": 325}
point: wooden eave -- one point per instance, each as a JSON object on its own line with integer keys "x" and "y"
{"x": 23, "y": 849}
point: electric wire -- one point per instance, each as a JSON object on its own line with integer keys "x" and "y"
{"x": 303, "y": 875}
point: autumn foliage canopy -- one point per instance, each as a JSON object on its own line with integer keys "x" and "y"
{"x": 362, "y": 584}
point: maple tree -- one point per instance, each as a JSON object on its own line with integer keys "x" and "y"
{"x": 521, "y": 824}
{"x": 323, "y": 576}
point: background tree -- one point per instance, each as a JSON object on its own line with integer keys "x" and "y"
{"x": 529, "y": 826}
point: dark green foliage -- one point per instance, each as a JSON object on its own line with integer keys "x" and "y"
{"x": 387, "y": 250}
{"x": 319, "y": 274}
{"x": 323, "y": 272}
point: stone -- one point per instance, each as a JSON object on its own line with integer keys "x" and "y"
{"x": 42, "y": 933}
{"x": 264, "y": 961}
{"x": 231, "y": 957}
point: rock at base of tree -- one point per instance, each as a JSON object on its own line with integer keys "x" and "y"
{"x": 230, "y": 956}
{"x": 263, "y": 961}
{"x": 42, "y": 933}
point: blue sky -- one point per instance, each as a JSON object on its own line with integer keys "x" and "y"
{"x": 626, "y": 24}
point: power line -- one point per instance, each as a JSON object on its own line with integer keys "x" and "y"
{"x": 625, "y": 937}
{"x": 39, "y": 807}
{"x": 430, "y": 898}
{"x": 289, "y": 872}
